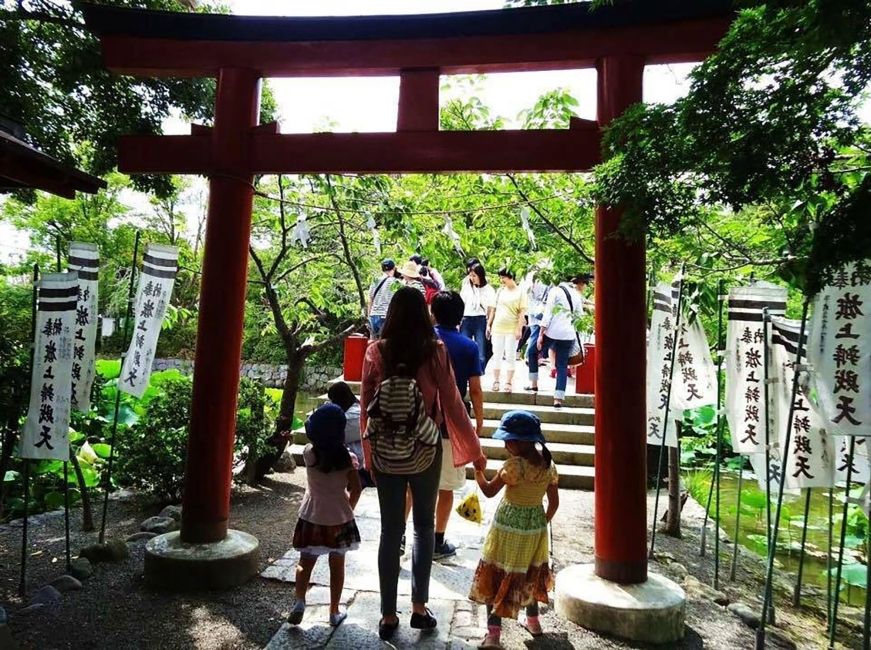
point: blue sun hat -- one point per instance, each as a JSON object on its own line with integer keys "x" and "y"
{"x": 325, "y": 427}
{"x": 519, "y": 425}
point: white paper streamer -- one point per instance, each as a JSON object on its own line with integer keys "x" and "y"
{"x": 46, "y": 430}
{"x": 452, "y": 234}
{"x": 840, "y": 350}
{"x": 159, "y": 267}
{"x": 524, "y": 220}
{"x": 84, "y": 259}
{"x": 301, "y": 232}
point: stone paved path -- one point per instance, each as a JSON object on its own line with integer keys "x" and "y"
{"x": 462, "y": 624}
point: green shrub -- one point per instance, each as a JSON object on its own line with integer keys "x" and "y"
{"x": 151, "y": 454}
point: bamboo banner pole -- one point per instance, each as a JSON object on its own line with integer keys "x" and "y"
{"x": 829, "y": 557}
{"x": 721, "y": 299}
{"x": 772, "y": 546}
{"x": 69, "y": 563}
{"x": 833, "y": 627}
{"x": 22, "y": 584}
{"x": 734, "y": 566}
{"x": 124, "y": 342}
{"x": 796, "y": 594}
{"x": 766, "y": 382}
{"x": 674, "y": 345}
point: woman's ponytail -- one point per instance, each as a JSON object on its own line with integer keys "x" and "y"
{"x": 548, "y": 458}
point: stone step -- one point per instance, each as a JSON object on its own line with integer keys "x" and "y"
{"x": 579, "y": 434}
{"x": 518, "y": 397}
{"x": 563, "y": 453}
{"x": 571, "y": 477}
{"x": 564, "y": 415}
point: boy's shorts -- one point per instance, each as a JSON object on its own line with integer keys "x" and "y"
{"x": 452, "y": 478}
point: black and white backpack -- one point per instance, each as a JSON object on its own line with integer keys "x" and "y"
{"x": 402, "y": 435}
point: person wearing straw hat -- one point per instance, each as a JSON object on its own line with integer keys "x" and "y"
{"x": 514, "y": 571}
{"x": 411, "y": 275}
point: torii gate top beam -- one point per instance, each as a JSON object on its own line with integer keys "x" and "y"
{"x": 153, "y": 43}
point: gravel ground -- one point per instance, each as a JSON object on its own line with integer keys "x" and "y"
{"x": 115, "y": 610}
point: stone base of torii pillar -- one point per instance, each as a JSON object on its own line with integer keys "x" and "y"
{"x": 173, "y": 564}
{"x": 649, "y": 612}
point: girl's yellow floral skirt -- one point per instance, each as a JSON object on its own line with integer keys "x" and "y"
{"x": 514, "y": 571}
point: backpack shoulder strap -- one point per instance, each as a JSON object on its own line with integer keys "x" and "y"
{"x": 569, "y": 298}
{"x": 378, "y": 288}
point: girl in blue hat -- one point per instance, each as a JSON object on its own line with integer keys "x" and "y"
{"x": 514, "y": 571}
{"x": 326, "y": 524}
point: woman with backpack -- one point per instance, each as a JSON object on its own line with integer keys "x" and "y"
{"x": 408, "y": 390}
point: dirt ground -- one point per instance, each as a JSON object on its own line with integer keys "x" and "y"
{"x": 115, "y": 609}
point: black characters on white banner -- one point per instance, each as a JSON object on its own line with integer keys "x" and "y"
{"x": 841, "y": 350}
{"x": 159, "y": 268}
{"x": 746, "y": 410}
{"x": 694, "y": 380}
{"x": 46, "y": 429}
{"x": 84, "y": 259}
{"x": 810, "y": 456}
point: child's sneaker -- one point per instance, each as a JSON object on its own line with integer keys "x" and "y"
{"x": 490, "y": 642}
{"x": 533, "y": 626}
{"x": 444, "y": 550}
{"x": 337, "y": 618}
{"x": 296, "y": 614}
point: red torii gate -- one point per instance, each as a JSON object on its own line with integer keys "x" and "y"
{"x": 240, "y": 50}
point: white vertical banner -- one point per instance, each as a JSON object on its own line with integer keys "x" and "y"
{"x": 159, "y": 267}
{"x": 84, "y": 259}
{"x": 746, "y": 411}
{"x": 695, "y": 380}
{"x": 861, "y": 465}
{"x": 810, "y": 457}
{"x": 840, "y": 350}
{"x": 46, "y": 430}
{"x": 660, "y": 345}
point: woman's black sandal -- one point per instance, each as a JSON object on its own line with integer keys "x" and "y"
{"x": 423, "y": 621}
{"x": 387, "y": 630}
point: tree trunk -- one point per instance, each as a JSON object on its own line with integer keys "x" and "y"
{"x": 672, "y": 522}
{"x": 87, "y": 512}
{"x": 256, "y": 468}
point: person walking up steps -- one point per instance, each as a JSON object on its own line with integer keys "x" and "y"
{"x": 326, "y": 524}
{"x": 380, "y": 294}
{"x": 505, "y": 323}
{"x": 514, "y": 571}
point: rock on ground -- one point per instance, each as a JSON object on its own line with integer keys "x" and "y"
{"x": 66, "y": 583}
{"x": 159, "y": 525}
{"x": 81, "y": 568}
{"x": 173, "y": 512}
{"x": 138, "y": 537}
{"x": 745, "y": 613}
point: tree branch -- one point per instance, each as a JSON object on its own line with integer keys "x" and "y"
{"x": 580, "y": 251}
{"x": 361, "y": 293}
{"x": 40, "y": 16}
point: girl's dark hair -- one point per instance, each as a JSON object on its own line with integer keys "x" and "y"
{"x": 332, "y": 458}
{"x": 478, "y": 270}
{"x": 545, "y": 452}
{"x": 506, "y": 273}
{"x": 340, "y": 393}
{"x": 408, "y": 339}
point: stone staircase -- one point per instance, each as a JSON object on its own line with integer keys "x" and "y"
{"x": 568, "y": 431}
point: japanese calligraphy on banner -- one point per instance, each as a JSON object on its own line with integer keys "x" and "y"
{"x": 46, "y": 429}
{"x": 861, "y": 472}
{"x": 746, "y": 411}
{"x": 840, "y": 350}
{"x": 84, "y": 259}
{"x": 660, "y": 346}
{"x": 159, "y": 267}
{"x": 695, "y": 380}
{"x": 810, "y": 457}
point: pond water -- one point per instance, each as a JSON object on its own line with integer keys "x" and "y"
{"x": 753, "y": 523}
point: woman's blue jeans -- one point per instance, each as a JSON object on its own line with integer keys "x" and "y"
{"x": 475, "y": 327}
{"x": 562, "y": 350}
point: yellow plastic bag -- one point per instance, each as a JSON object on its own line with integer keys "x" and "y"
{"x": 470, "y": 508}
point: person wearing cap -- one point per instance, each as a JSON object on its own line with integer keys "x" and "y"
{"x": 565, "y": 304}
{"x": 326, "y": 524}
{"x": 411, "y": 275}
{"x": 380, "y": 294}
{"x": 514, "y": 570}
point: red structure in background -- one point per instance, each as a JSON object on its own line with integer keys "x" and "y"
{"x": 355, "y": 352}
{"x": 617, "y": 40}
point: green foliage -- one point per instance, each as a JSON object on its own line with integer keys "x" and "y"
{"x": 151, "y": 455}
{"x": 770, "y": 122}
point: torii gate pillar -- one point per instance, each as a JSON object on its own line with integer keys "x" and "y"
{"x": 206, "y": 553}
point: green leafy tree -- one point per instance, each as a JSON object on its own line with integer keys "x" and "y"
{"x": 770, "y": 121}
